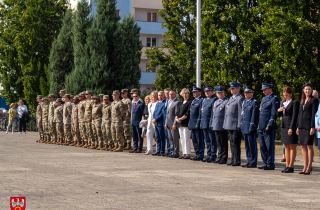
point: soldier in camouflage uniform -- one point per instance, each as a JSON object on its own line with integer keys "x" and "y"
{"x": 127, "y": 120}
{"x": 88, "y": 118}
{"x": 71, "y": 99}
{"x": 101, "y": 98}
{"x": 58, "y": 119}
{"x": 39, "y": 117}
{"x": 51, "y": 123}
{"x": 67, "y": 111}
{"x": 118, "y": 114}
{"x": 106, "y": 124}
{"x": 62, "y": 93}
{"x": 45, "y": 126}
{"x": 75, "y": 124}
{"x": 96, "y": 123}
{"x": 82, "y": 127}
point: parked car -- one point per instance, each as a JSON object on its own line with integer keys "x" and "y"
{"x": 3, "y": 110}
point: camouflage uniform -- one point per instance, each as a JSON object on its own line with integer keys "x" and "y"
{"x": 75, "y": 124}
{"x": 67, "y": 111}
{"x": 106, "y": 124}
{"x": 88, "y": 121}
{"x": 58, "y": 118}
{"x": 118, "y": 113}
{"x": 127, "y": 121}
{"x": 51, "y": 122}
{"x": 82, "y": 127}
{"x": 45, "y": 126}
{"x": 39, "y": 118}
{"x": 96, "y": 123}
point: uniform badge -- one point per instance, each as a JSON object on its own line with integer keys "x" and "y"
{"x": 18, "y": 203}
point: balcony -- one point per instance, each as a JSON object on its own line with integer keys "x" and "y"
{"x": 151, "y": 27}
{"x": 143, "y": 54}
{"x": 147, "y": 78}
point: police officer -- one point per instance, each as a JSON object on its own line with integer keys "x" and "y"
{"x": 204, "y": 122}
{"x": 249, "y": 124}
{"x": 232, "y": 121}
{"x": 216, "y": 124}
{"x": 267, "y": 126}
{"x": 196, "y": 133}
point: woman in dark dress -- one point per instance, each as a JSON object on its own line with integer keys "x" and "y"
{"x": 306, "y": 124}
{"x": 289, "y": 113}
{"x": 182, "y": 119}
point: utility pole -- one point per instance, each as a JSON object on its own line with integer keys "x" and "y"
{"x": 198, "y": 43}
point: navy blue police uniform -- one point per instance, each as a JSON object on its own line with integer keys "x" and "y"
{"x": 196, "y": 132}
{"x": 204, "y": 122}
{"x": 267, "y": 127}
{"x": 216, "y": 124}
{"x": 249, "y": 125}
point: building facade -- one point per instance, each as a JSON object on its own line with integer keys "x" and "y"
{"x": 151, "y": 33}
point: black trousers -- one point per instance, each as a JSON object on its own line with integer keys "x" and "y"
{"x": 222, "y": 141}
{"x": 235, "y": 143}
{"x": 22, "y": 125}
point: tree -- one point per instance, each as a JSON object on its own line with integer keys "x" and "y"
{"x": 77, "y": 79}
{"x": 292, "y": 28}
{"x": 61, "y": 59}
{"x": 176, "y": 69}
{"x": 127, "y": 55}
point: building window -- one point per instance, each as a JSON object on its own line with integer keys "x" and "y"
{"x": 118, "y": 12}
{"x": 148, "y": 42}
{"x": 149, "y": 17}
{"x": 154, "y": 17}
{"x": 154, "y": 42}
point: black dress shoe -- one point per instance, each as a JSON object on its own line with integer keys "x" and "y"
{"x": 204, "y": 160}
{"x": 181, "y": 157}
{"x": 283, "y": 160}
{"x": 155, "y": 154}
{"x": 217, "y": 161}
{"x": 168, "y": 155}
{"x": 251, "y": 166}
{"x": 236, "y": 164}
{"x": 289, "y": 170}
{"x": 174, "y": 156}
{"x": 245, "y": 166}
{"x": 210, "y": 161}
{"x": 197, "y": 159}
{"x": 262, "y": 167}
{"x": 268, "y": 168}
{"x": 222, "y": 162}
{"x": 284, "y": 170}
{"x": 229, "y": 164}
{"x": 186, "y": 157}
{"x": 163, "y": 154}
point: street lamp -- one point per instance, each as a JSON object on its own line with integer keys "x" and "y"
{"x": 198, "y": 43}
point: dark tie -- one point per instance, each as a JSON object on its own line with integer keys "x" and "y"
{"x": 134, "y": 105}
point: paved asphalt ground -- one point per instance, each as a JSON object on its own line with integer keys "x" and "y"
{"x": 68, "y": 178}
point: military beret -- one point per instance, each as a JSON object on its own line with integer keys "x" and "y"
{"x": 95, "y": 97}
{"x": 124, "y": 91}
{"x": 134, "y": 90}
{"x": 266, "y": 86}
{"x": 195, "y": 89}
{"x": 115, "y": 92}
{"x": 62, "y": 91}
{"x": 76, "y": 97}
{"x": 207, "y": 88}
{"x": 51, "y": 95}
{"x": 66, "y": 96}
{"x": 88, "y": 92}
{"x": 44, "y": 99}
{"x": 59, "y": 100}
{"x": 234, "y": 84}
{"x": 101, "y": 95}
{"x": 71, "y": 96}
{"x": 39, "y": 97}
{"x": 219, "y": 88}
{"x": 248, "y": 89}
{"x": 106, "y": 97}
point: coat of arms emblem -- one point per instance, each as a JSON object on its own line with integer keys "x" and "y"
{"x": 18, "y": 203}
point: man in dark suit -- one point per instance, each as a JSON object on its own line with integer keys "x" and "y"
{"x": 158, "y": 121}
{"x": 137, "y": 108}
{"x": 171, "y": 124}
{"x": 166, "y": 95}
{"x": 267, "y": 126}
{"x": 249, "y": 124}
{"x": 204, "y": 122}
{"x": 196, "y": 133}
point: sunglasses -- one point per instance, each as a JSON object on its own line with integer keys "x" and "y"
{"x": 87, "y": 94}
{"x": 134, "y": 96}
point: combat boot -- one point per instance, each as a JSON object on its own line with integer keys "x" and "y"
{"x": 73, "y": 144}
{"x": 81, "y": 143}
{"x": 115, "y": 146}
{"x": 128, "y": 147}
{"x": 124, "y": 145}
{"x": 105, "y": 147}
{"x": 85, "y": 145}
{"x": 93, "y": 147}
{"x": 58, "y": 142}
{"x": 120, "y": 149}
{"x": 99, "y": 148}
{"x": 66, "y": 144}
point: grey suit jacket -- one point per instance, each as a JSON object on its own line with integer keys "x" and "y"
{"x": 217, "y": 115}
{"x": 172, "y": 112}
{"x": 232, "y": 118}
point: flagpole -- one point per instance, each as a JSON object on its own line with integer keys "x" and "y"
{"x": 198, "y": 44}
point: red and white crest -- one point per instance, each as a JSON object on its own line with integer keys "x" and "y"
{"x": 18, "y": 203}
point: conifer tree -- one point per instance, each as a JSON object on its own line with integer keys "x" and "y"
{"x": 61, "y": 59}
